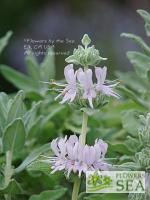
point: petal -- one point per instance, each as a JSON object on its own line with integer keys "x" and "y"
{"x": 62, "y": 147}
{"x": 90, "y": 98}
{"x": 89, "y": 78}
{"x": 70, "y": 152}
{"x": 54, "y": 147}
{"x": 86, "y": 152}
{"x": 67, "y": 68}
{"x": 82, "y": 79}
{"x": 103, "y": 146}
{"x": 100, "y": 74}
{"x": 73, "y": 139}
{"x": 66, "y": 98}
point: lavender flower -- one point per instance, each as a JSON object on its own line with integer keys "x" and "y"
{"x": 72, "y": 156}
{"x": 70, "y": 89}
{"x": 85, "y": 79}
{"x": 100, "y": 86}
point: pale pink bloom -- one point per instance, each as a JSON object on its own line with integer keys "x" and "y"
{"x": 100, "y": 86}
{"x": 70, "y": 89}
{"x": 85, "y": 79}
{"x": 72, "y": 156}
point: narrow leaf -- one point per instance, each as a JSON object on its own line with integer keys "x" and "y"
{"x": 34, "y": 130}
{"x": 35, "y": 154}
{"x": 138, "y": 40}
{"x": 33, "y": 70}
{"x": 47, "y": 67}
{"x": 130, "y": 94}
{"x": 51, "y": 114}
{"x": 16, "y": 78}
{"x": 4, "y": 40}
{"x": 145, "y": 15}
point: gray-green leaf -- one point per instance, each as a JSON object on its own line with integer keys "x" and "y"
{"x": 140, "y": 62}
{"x": 16, "y": 78}
{"x": 12, "y": 188}
{"x": 14, "y": 136}
{"x": 50, "y": 195}
{"x": 130, "y": 121}
{"x": 35, "y": 154}
{"x": 145, "y": 15}
{"x": 17, "y": 107}
{"x": 139, "y": 40}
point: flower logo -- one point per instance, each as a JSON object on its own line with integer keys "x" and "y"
{"x": 95, "y": 179}
{"x": 107, "y": 180}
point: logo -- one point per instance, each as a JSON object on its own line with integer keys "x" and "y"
{"x": 115, "y": 182}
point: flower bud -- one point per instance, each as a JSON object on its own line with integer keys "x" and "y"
{"x": 86, "y": 40}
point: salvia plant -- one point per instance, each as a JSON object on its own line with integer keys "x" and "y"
{"x": 52, "y": 132}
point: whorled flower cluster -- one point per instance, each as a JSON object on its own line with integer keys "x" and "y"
{"x": 80, "y": 85}
{"x": 71, "y": 155}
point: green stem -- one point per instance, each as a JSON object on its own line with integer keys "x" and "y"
{"x": 83, "y": 139}
{"x": 85, "y": 68}
{"x": 8, "y": 172}
{"x": 76, "y": 189}
{"x": 84, "y": 128}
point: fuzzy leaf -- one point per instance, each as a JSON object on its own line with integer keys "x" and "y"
{"x": 121, "y": 148}
{"x": 4, "y": 111}
{"x": 14, "y": 136}
{"x": 17, "y": 108}
{"x": 50, "y": 195}
{"x": 72, "y": 59}
{"x": 130, "y": 94}
{"x": 129, "y": 166}
{"x": 12, "y": 188}
{"x": 145, "y": 15}
{"x": 130, "y": 121}
{"x": 140, "y": 62}
{"x": 16, "y": 78}
{"x": 138, "y": 40}
{"x": 46, "y": 169}
{"x": 34, "y": 155}
{"x": 33, "y": 70}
